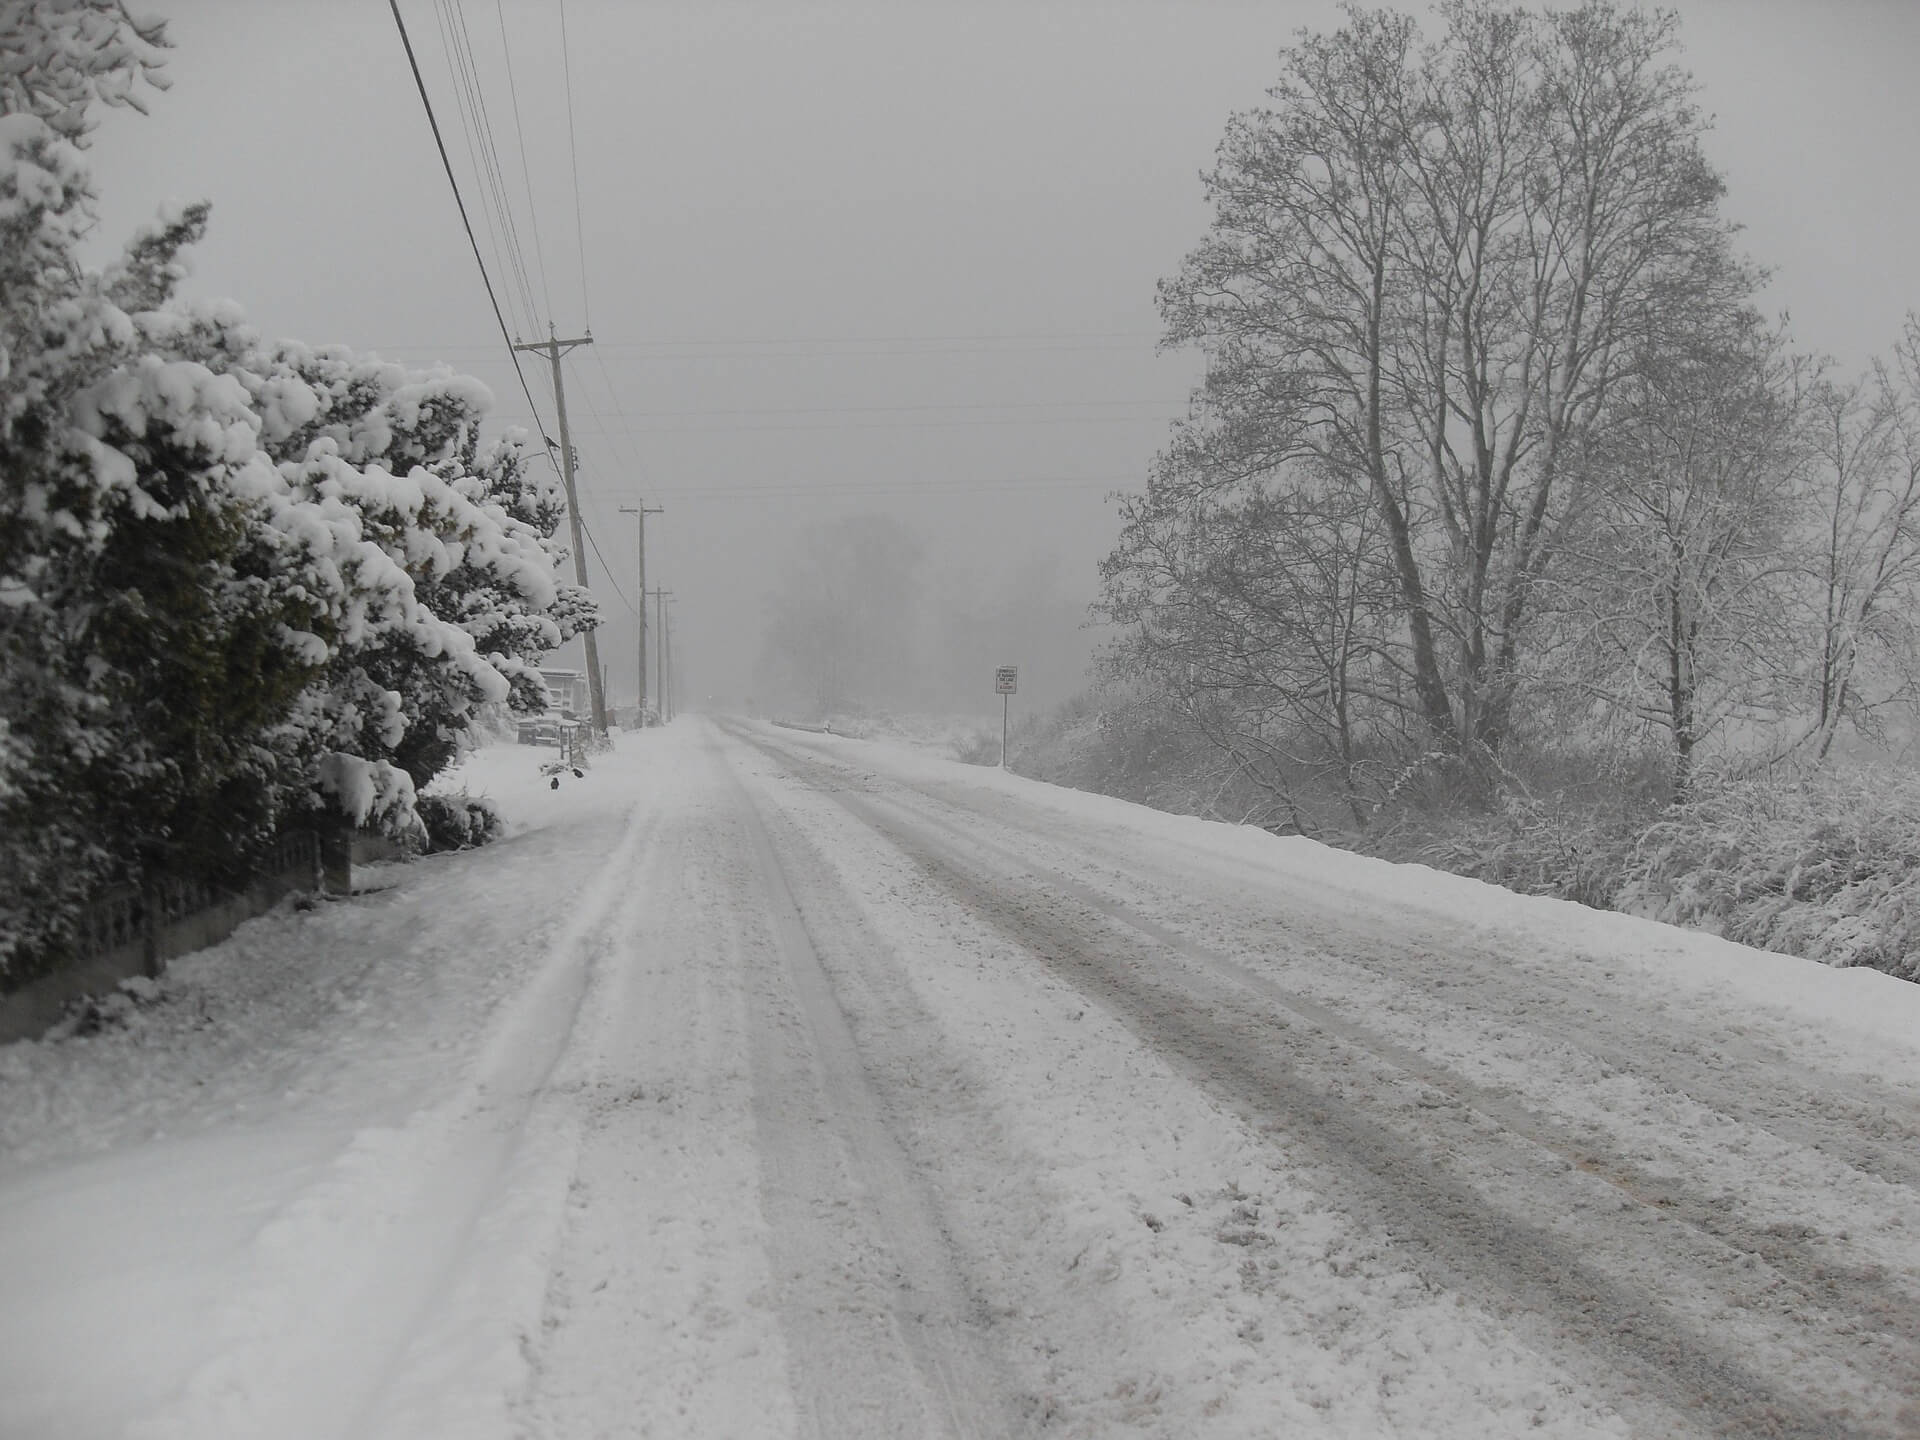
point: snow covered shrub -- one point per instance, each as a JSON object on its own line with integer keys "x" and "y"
{"x": 458, "y": 822}
{"x": 1537, "y": 847}
{"x": 1827, "y": 867}
{"x": 1561, "y": 819}
{"x": 240, "y": 584}
{"x": 979, "y": 748}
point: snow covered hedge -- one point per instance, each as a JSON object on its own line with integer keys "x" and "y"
{"x": 241, "y": 584}
{"x": 1828, "y": 868}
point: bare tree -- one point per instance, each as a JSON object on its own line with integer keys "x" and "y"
{"x": 1685, "y": 578}
{"x": 1429, "y": 268}
{"x": 1265, "y": 617}
{"x": 1863, "y": 496}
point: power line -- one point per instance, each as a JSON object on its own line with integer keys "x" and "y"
{"x": 625, "y": 424}
{"x": 492, "y": 172}
{"x": 594, "y": 545}
{"x": 902, "y": 339}
{"x": 449, "y": 51}
{"x": 483, "y": 177}
{"x": 627, "y": 453}
{"x": 1157, "y": 404}
{"x": 526, "y": 173}
{"x": 948, "y": 344}
{"x": 1039, "y": 485}
{"x": 1009, "y": 421}
{"x": 446, "y": 164}
{"x": 579, "y": 230}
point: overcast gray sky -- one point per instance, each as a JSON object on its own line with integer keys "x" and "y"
{"x": 894, "y": 257}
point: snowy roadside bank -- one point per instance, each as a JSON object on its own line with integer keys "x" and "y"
{"x": 1866, "y": 1002}
{"x": 767, "y": 1083}
{"x": 215, "y": 1185}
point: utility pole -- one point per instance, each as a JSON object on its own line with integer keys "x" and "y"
{"x": 553, "y": 349}
{"x": 640, "y": 513}
{"x": 662, "y": 663}
{"x": 673, "y": 676}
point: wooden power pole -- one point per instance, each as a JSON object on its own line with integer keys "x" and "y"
{"x": 553, "y": 349}
{"x": 663, "y": 659}
{"x": 640, "y": 513}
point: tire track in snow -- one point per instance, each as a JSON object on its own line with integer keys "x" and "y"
{"x": 1469, "y": 1242}
{"x": 315, "y": 1348}
{"x": 1859, "y": 1136}
{"x": 883, "y": 1333}
{"x": 1863, "y": 1295}
{"x": 1629, "y": 1329}
{"x": 1623, "y": 1034}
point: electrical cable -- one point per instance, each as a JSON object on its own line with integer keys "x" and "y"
{"x": 449, "y": 49}
{"x": 630, "y": 458}
{"x": 1031, "y": 485}
{"x": 579, "y": 229}
{"x": 910, "y": 409}
{"x": 526, "y": 172}
{"x": 594, "y": 545}
{"x": 495, "y": 172}
{"x": 620, "y": 410}
{"x": 895, "y": 425}
{"x": 934, "y": 347}
{"x": 447, "y": 164}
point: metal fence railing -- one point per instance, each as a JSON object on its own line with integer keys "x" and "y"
{"x": 133, "y": 930}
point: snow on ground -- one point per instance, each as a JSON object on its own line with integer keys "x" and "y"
{"x": 766, "y": 1083}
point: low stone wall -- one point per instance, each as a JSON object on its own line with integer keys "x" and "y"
{"x": 132, "y": 932}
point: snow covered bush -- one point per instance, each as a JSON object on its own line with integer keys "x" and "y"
{"x": 1534, "y": 846}
{"x": 241, "y": 584}
{"x": 1827, "y": 867}
{"x": 458, "y": 822}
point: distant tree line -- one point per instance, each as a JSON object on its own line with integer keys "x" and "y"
{"x": 1495, "y": 452}
{"x": 242, "y": 585}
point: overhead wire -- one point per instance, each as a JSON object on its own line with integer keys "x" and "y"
{"x": 928, "y": 347}
{"x": 501, "y": 263}
{"x": 526, "y": 172}
{"x": 490, "y": 149}
{"x": 594, "y": 545}
{"x": 630, "y": 459}
{"x": 1030, "y": 484}
{"x": 929, "y": 424}
{"x": 613, "y": 393}
{"x": 446, "y": 163}
{"x": 1155, "y": 403}
{"x": 573, "y": 153}
{"x": 494, "y": 173}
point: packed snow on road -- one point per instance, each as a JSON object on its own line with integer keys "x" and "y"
{"x": 764, "y": 1083}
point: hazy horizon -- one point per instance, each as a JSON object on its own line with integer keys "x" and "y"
{"x": 844, "y": 260}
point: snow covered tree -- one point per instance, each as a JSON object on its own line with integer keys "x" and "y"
{"x": 1862, "y": 532}
{"x": 470, "y": 524}
{"x": 1683, "y": 590}
{"x": 1429, "y": 268}
{"x": 1262, "y": 612}
{"x": 238, "y": 583}
{"x": 61, "y": 494}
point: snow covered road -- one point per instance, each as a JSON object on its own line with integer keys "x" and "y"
{"x": 767, "y": 1083}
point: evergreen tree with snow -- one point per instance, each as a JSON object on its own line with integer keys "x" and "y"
{"x": 241, "y": 585}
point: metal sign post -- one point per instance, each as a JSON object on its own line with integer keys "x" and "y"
{"x": 1006, "y": 680}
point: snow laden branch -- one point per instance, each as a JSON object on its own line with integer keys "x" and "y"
{"x": 242, "y": 585}
{"x": 1493, "y": 450}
